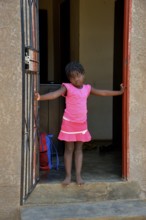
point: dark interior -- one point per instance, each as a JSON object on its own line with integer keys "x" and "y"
{"x": 102, "y": 159}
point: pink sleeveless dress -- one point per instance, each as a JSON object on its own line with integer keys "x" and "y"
{"x": 74, "y": 124}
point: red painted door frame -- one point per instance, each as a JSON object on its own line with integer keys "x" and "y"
{"x": 125, "y": 104}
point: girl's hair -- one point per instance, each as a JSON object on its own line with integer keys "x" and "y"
{"x": 73, "y": 66}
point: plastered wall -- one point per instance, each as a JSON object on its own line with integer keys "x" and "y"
{"x": 11, "y": 103}
{"x": 137, "y": 105}
{"x": 10, "y": 109}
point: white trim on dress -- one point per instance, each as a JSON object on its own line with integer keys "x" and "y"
{"x": 75, "y": 132}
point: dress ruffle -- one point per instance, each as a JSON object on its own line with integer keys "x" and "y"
{"x": 72, "y": 132}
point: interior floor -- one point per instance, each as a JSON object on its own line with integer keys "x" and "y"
{"x": 100, "y": 163}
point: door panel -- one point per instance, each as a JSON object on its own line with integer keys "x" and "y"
{"x": 30, "y": 64}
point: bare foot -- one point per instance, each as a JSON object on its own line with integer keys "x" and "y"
{"x": 79, "y": 180}
{"x": 66, "y": 181}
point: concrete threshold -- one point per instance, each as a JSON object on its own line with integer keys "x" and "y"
{"x": 89, "y": 192}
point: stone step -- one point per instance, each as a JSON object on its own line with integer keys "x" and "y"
{"x": 89, "y": 192}
{"x": 105, "y": 210}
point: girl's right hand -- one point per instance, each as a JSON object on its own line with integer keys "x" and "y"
{"x": 36, "y": 96}
{"x": 122, "y": 88}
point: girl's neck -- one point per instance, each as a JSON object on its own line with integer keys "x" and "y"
{"x": 78, "y": 87}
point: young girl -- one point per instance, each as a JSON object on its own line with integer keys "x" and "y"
{"x": 74, "y": 129}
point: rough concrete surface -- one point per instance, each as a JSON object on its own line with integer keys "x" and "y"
{"x": 89, "y": 192}
{"x": 103, "y": 210}
{"x": 10, "y": 109}
{"x": 137, "y": 99}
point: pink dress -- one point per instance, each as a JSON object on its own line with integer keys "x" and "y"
{"x": 74, "y": 124}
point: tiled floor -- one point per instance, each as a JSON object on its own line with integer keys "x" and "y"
{"x": 97, "y": 166}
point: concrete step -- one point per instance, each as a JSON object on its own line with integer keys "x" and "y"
{"x": 105, "y": 210}
{"x": 90, "y": 192}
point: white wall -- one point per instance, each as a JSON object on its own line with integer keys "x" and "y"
{"x": 96, "y": 29}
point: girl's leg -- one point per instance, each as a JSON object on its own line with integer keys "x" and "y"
{"x": 78, "y": 162}
{"x": 68, "y": 154}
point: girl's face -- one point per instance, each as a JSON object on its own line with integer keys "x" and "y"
{"x": 77, "y": 79}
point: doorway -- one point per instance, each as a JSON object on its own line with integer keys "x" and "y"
{"x": 77, "y": 31}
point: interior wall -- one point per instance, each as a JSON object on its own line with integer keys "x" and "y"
{"x": 96, "y": 36}
{"x": 48, "y": 5}
{"x": 56, "y": 35}
{"x": 91, "y": 42}
{"x": 74, "y": 29}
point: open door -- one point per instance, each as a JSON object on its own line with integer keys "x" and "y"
{"x": 125, "y": 110}
{"x": 30, "y": 64}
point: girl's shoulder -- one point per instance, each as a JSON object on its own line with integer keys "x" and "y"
{"x": 67, "y": 85}
{"x": 87, "y": 86}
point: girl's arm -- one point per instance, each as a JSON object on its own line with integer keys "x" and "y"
{"x": 107, "y": 92}
{"x": 50, "y": 95}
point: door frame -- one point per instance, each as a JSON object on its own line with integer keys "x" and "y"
{"x": 126, "y": 77}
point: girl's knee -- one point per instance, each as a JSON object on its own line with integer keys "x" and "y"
{"x": 78, "y": 147}
{"x": 78, "y": 150}
{"x": 69, "y": 148}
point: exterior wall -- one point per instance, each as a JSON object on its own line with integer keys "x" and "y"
{"x": 11, "y": 103}
{"x": 137, "y": 108}
{"x": 10, "y": 109}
